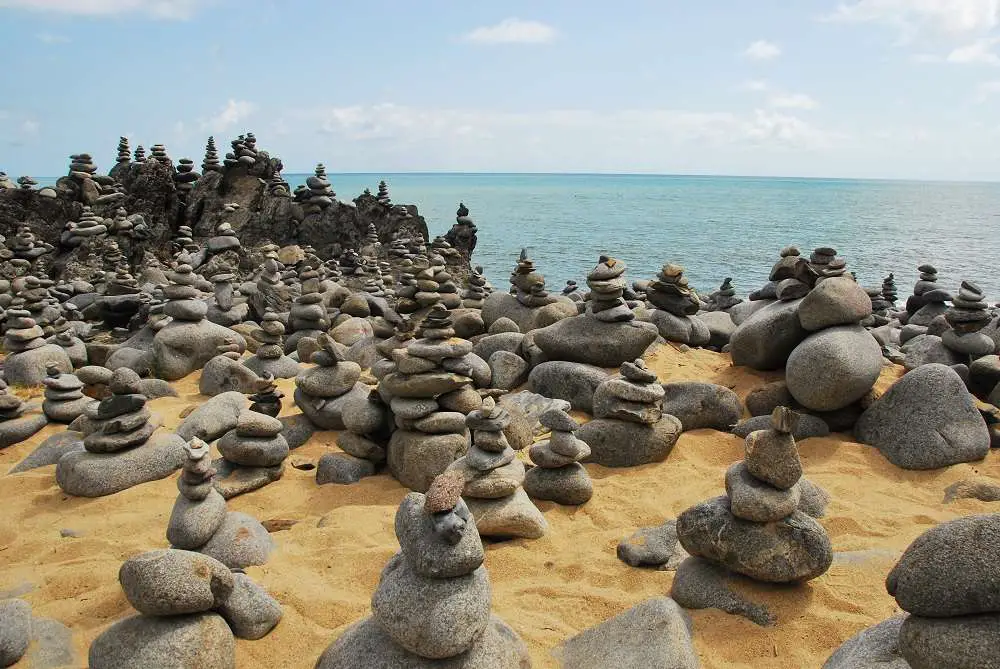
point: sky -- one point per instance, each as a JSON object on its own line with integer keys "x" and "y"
{"x": 905, "y": 89}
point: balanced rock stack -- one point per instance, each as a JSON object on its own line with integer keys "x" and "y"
{"x": 629, "y": 426}
{"x": 558, "y": 475}
{"x": 278, "y": 187}
{"x": 572, "y": 290}
{"x": 26, "y": 182}
{"x": 790, "y": 278}
{"x": 65, "y": 337}
{"x": 432, "y": 605}
{"x": 607, "y": 334}
{"x": 307, "y": 317}
{"x": 426, "y": 400}
{"x": 88, "y": 227}
{"x": 724, "y": 298}
{"x": 928, "y": 300}
{"x": 320, "y": 194}
{"x": 28, "y": 247}
{"x": 124, "y": 153}
{"x": 15, "y": 426}
{"x": 270, "y": 357}
{"x": 527, "y": 285}
{"x": 406, "y": 293}
{"x": 266, "y": 398}
{"x": 675, "y": 303}
{"x": 224, "y": 311}
{"x": 383, "y": 194}
{"x": 253, "y": 454}
{"x": 140, "y": 154}
{"x": 758, "y": 518}
{"x": 839, "y": 362}
{"x": 211, "y": 162}
{"x": 967, "y": 317}
{"x": 493, "y": 478}
{"x": 28, "y": 354}
{"x": 447, "y": 290}
{"x": 428, "y": 291}
{"x": 188, "y": 341}
{"x": 184, "y": 239}
{"x": 475, "y": 292}
{"x": 158, "y": 152}
{"x": 122, "y": 447}
{"x": 946, "y": 580}
{"x": 225, "y": 238}
{"x": 371, "y": 246}
{"x": 825, "y": 264}
{"x": 64, "y": 398}
{"x": 323, "y": 392}
{"x": 190, "y": 606}
{"x": 185, "y": 177}
{"x": 368, "y": 424}
{"x": 200, "y": 522}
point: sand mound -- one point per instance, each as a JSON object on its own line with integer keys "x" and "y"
{"x": 340, "y": 537}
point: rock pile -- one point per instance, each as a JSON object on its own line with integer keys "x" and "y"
{"x": 211, "y": 162}
{"x": 307, "y": 317}
{"x": 140, "y": 154}
{"x": 266, "y": 398}
{"x": 158, "y": 152}
{"x": 967, "y": 317}
{"x": 429, "y": 401}
{"x": 607, "y": 334}
{"x": 64, "y": 398}
{"x": 185, "y": 177}
{"x": 122, "y": 447}
{"x": 323, "y": 392}
{"x": 493, "y": 476}
{"x": 475, "y": 292}
{"x": 558, "y": 475}
{"x": 529, "y": 305}
{"x": 270, "y": 357}
{"x": 28, "y": 354}
{"x": 89, "y": 226}
{"x": 675, "y": 303}
{"x": 756, "y": 529}
{"x": 320, "y": 193}
{"x": 124, "y": 153}
{"x": 225, "y": 311}
{"x": 629, "y": 426}
{"x": 724, "y": 298}
{"x": 253, "y": 454}
{"x": 15, "y": 426}
{"x": 439, "y": 570}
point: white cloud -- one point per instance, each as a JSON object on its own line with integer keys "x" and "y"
{"x": 979, "y": 52}
{"x": 793, "y": 101}
{"x": 156, "y": 9}
{"x": 512, "y": 31}
{"x": 233, "y": 113}
{"x": 762, "y": 50}
{"x": 49, "y": 38}
{"x": 986, "y": 90}
{"x": 30, "y": 126}
{"x": 755, "y": 86}
{"x": 923, "y": 17}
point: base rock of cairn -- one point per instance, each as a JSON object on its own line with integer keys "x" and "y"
{"x": 253, "y": 454}
{"x": 15, "y": 424}
{"x": 431, "y": 609}
{"x": 28, "y": 354}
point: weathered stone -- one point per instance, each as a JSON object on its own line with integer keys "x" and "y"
{"x": 201, "y": 640}
{"x": 240, "y": 542}
{"x": 250, "y": 612}
{"x": 875, "y": 647}
{"x": 174, "y": 582}
{"x": 574, "y": 382}
{"x": 415, "y": 458}
{"x": 15, "y": 630}
{"x": 754, "y": 500}
{"x": 615, "y": 443}
{"x": 766, "y": 339}
{"x": 702, "y": 405}
{"x": 834, "y": 301}
{"x": 833, "y": 368}
{"x": 652, "y": 547}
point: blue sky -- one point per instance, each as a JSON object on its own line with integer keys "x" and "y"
{"x": 846, "y": 88}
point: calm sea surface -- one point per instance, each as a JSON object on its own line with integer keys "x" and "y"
{"x": 714, "y": 226}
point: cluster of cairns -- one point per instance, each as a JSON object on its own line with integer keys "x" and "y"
{"x": 324, "y": 391}
{"x": 211, "y": 161}
{"x": 270, "y": 357}
{"x": 432, "y": 604}
{"x": 89, "y": 226}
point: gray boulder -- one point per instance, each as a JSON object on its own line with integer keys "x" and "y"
{"x": 342, "y": 468}
{"x": 964, "y": 642}
{"x": 752, "y": 499}
{"x": 415, "y": 458}
{"x": 504, "y": 341}
{"x": 593, "y": 342}
{"x": 201, "y": 640}
{"x": 328, "y": 413}
{"x": 28, "y": 368}
{"x": 926, "y": 420}
{"x": 240, "y": 542}
{"x": 761, "y": 401}
{"x": 617, "y": 443}
{"x": 790, "y": 550}
{"x": 51, "y": 450}
{"x": 213, "y": 418}
{"x": 834, "y": 301}
{"x": 193, "y": 522}
{"x": 950, "y": 570}
{"x": 174, "y": 582}
{"x": 655, "y": 634}
{"x": 652, "y": 547}
{"x": 223, "y": 374}
{"x": 87, "y": 474}
{"x": 570, "y": 381}
{"x": 509, "y": 370}
{"x": 766, "y": 339}
{"x": 926, "y": 349}
{"x": 249, "y": 610}
{"x": 182, "y": 347}
{"x": 700, "y": 405}
{"x": 700, "y": 584}
{"x": 15, "y": 630}
{"x": 688, "y": 330}
{"x": 569, "y": 485}
{"x": 720, "y": 327}
{"x": 16, "y": 430}
{"x": 833, "y": 368}
{"x": 875, "y": 647}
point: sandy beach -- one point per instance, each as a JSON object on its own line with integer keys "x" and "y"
{"x": 338, "y": 539}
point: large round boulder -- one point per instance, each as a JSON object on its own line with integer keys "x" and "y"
{"x": 766, "y": 339}
{"x": 833, "y": 368}
{"x": 834, "y": 301}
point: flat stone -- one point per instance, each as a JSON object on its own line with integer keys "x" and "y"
{"x": 232, "y": 480}
{"x": 573, "y": 382}
{"x": 615, "y": 443}
{"x": 569, "y": 485}
{"x": 589, "y": 341}
{"x": 700, "y": 584}
{"x": 700, "y": 405}
{"x": 51, "y": 450}
{"x": 423, "y": 385}
{"x": 508, "y": 517}
{"x": 214, "y": 418}
{"x": 87, "y": 474}
{"x": 652, "y": 547}
{"x": 755, "y": 500}
{"x": 15, "y": 431}
{"x": 343, "y": 468}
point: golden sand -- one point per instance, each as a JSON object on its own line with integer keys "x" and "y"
{"x": 323, "y": 573}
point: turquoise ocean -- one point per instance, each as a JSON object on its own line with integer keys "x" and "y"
{"x": 716, "y": 227}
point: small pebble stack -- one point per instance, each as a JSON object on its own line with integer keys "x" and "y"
{"x": 558, "y": 475}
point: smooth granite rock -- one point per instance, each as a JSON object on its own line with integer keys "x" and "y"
{"x": 833, "y": 368}
{"x": 766, "y": 339}
{"x": 174, "y": 582}
{"x": 87, "y": 474}
{"x": 570, "y": 381}
{"x": 15, "y": 630}
{"x": 964, "y": 642}
{"x": 214, "y": 418}
{"x": 875, "y": 647}
{"x": 616, "y": 443}
{"x": 652, "y": 547}
{"x": 592, "y": 342}
{"x": 250, "y": 612}
{"x": 197, "y": 641}
{"x": 700, "y": 405}
{"x": 240, "y": 542}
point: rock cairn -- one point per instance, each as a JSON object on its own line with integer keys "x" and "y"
{"x": 88, "y": 227}
{"x": 493, "y": 478}
{"x": 439, "y": 568}
{"x": 527, "y": 285}
{"x": 15, "y": 426}
{"x": 364, "y": 442}
{"x": 26, "y": 182}
{"x": 928, "y": 300}
{"x": 606, "y": 334}
{"x": 825, "y": 264}
{"x": 158, "y": 152}
{"x": 278, "y": 187}
{"x": 28, "y": 247}
{"x": 28, "y": 354}
{"x": 946, "y": 580}
{"x": 475, "y": 291}
{"x": 270, "y": 357}
{"x": 324, "y": 391}
{"x": 428, "y": 291}
{"x": 140, "y": 154}
{"x": 266, "y": 398}
{"x": 200, "y": 521}
{"x": 211, "y": 162}
{"x": 225, "y": 311}
{"x": 558, "y": 475}
{"x": 308, "y": 317}
{"x": 184, "y": 239}
{"x": 383, "y": 194}
{"x": 124, "y": 153}
{"x": 967, "y": 317}
{"x": 320, "y": 193}
{"x": 121, "y": 449}
{"x": 371, "y": 245}
{"x": 675, "y": 303}
{"x": 724, "y": 298}
{"x": 758, "y": 518}
{"x": 64, "y": 398}
{"x": 253, "y": 454}
{"x": 65, "y": 337}
{"x": 629, "y": 426}
{"x": 185, "y": 177}
{"x": 432, "y": 433}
